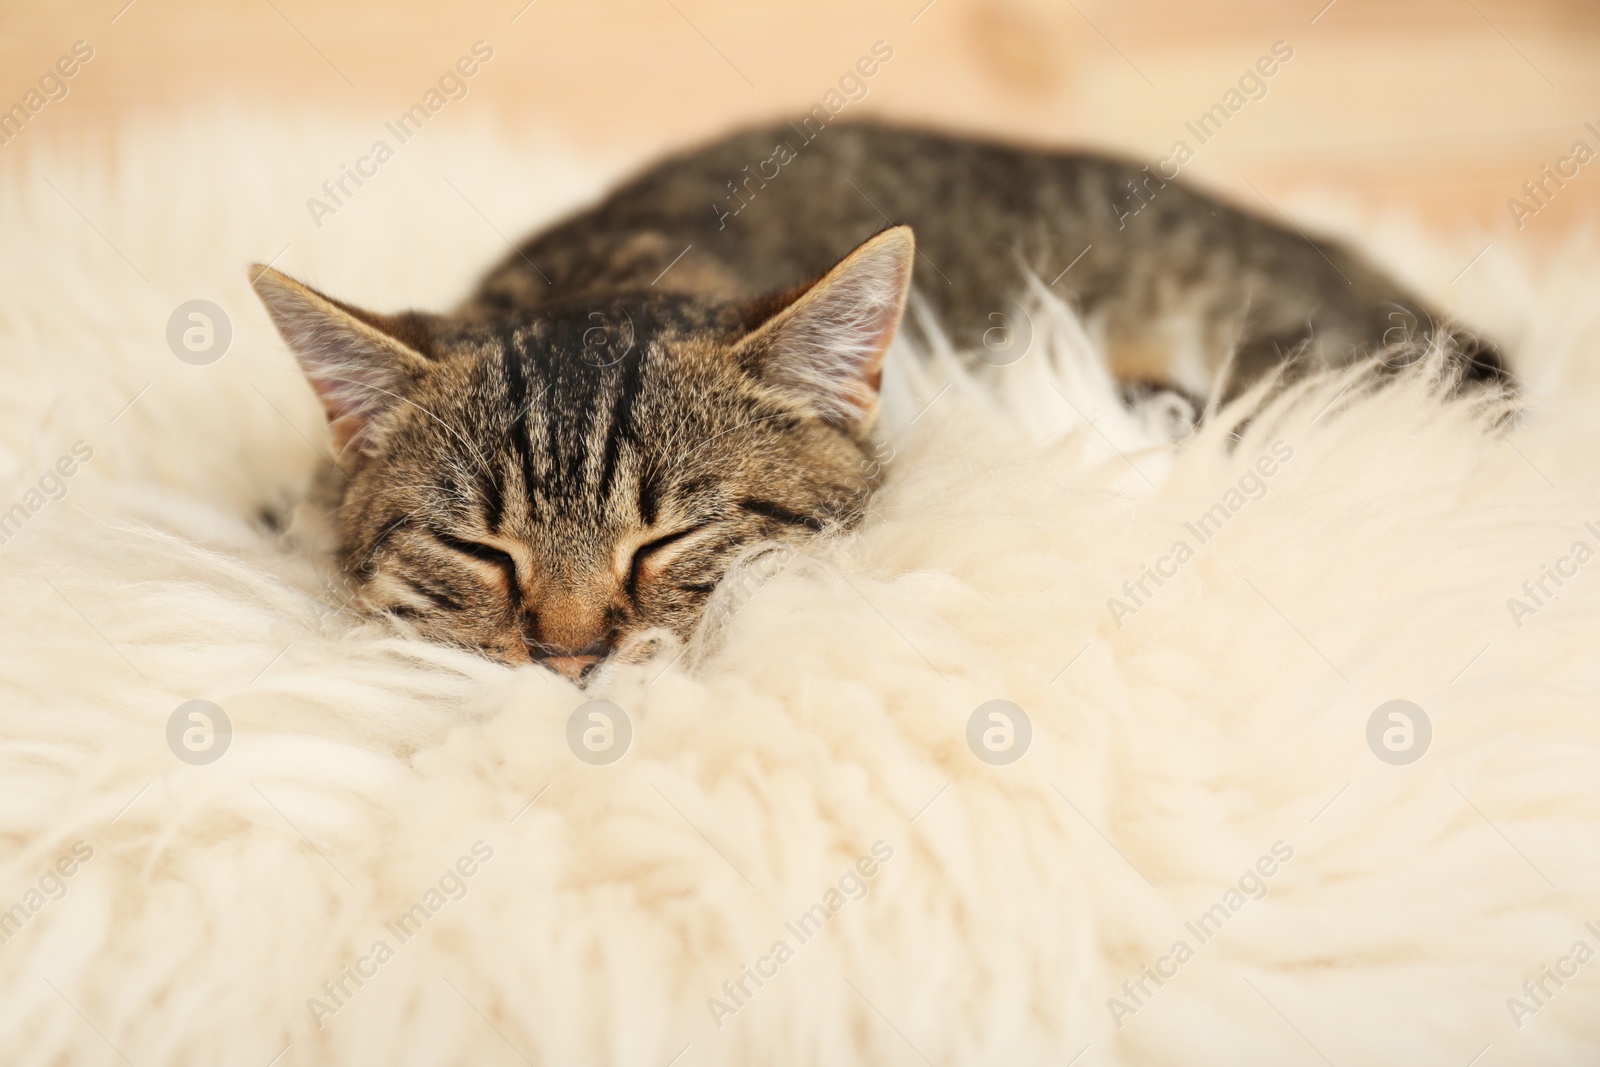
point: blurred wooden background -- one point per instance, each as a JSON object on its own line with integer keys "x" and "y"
{"x": 1444, "y": 106}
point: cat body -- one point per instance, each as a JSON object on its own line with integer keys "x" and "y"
{"x": 564, "y": 467}
{"x": 1143, "y": 260}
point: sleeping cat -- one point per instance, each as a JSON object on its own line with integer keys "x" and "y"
{"x": 569, "y": 462}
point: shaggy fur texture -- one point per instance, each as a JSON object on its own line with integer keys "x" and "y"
{"x": 1226, "y": 716}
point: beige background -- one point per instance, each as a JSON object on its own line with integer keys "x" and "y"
{"x": 1444, "y": 106}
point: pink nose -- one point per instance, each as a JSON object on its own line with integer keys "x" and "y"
{"x": 572, "y": 668}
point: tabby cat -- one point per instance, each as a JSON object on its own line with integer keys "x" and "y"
{"x": 564, "y": 467}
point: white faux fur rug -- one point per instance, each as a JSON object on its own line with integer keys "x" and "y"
{"x": 800, "y": 858}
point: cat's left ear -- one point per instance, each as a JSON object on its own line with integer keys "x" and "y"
{"x": 826, "y": 348}
{"x": 359, "y": 363}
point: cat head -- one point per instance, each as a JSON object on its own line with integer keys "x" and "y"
{"x": 564, "y": 484}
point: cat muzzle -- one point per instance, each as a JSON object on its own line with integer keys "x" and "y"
{"x": 573, "y": 668}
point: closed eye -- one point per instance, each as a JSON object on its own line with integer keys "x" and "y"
{"x": 480, "y": 551}
{"x": 645, "y": 551}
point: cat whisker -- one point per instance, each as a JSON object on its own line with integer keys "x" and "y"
{"x": 483, "y": 463}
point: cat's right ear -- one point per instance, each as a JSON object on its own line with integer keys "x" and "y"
{"x": 359, "y": 363}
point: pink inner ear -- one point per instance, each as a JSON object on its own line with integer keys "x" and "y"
{"x": 828, "y": 346}
{"x": 355, "y": 387}
{"x": 357, "y": 370}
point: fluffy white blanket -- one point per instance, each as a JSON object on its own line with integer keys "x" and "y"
{"x": 810, "y": 850}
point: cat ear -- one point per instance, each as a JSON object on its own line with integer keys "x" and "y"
{"x": 359, "y": 363}
{"x": 826, "y": 348}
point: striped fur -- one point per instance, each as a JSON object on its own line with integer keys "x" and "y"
{"x": 566, "y": 466}
{"x": 543, "y": 491}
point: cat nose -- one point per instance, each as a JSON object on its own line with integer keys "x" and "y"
{"x": 572, "y": 668}
{"x": 571, "y": 662}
